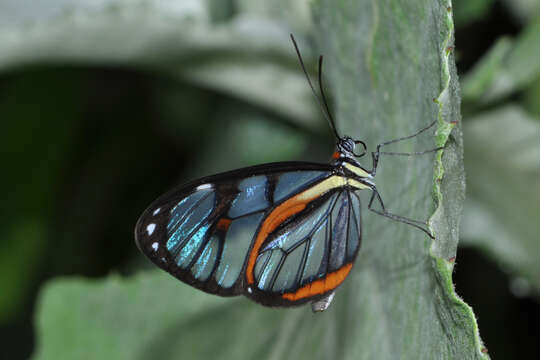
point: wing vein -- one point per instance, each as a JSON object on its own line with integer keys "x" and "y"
{"x": 263, "y": 267}
{"x": 277, "y": 271}
{"x": 187, "y": 212}
{"x": 302, "y": 266}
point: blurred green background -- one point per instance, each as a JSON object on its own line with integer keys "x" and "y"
{"x": 107, "y": 104}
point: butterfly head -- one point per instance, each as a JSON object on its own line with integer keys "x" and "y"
{"x": 346, "y": 147}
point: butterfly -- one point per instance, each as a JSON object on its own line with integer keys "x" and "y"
{"x": 281, "y": 234}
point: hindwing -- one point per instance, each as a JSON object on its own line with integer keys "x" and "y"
{"x": 310, "y": 252}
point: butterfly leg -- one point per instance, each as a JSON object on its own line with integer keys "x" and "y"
{"x": 375, "y": 154}
{"x": 417, "y": 224}
{"x": 322, "y": 304}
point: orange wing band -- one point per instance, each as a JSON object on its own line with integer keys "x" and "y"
{"x": 318, "y": 287}
{"x": 290, "y": 207}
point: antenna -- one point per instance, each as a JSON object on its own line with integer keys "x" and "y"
{"x": 322, "y": 103}
{"x": 325, "y": 102}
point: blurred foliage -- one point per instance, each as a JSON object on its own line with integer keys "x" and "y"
{"x": 468, "y": 11}
{"x": 510, "y": 66}
{"x": 31, "y": 185}
{"x": 107, "y": 103}
{"x": 502, "y": 154}
{"x": 504, "y": 144}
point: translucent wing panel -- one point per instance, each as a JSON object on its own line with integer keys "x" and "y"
{"x": 302, "y": 230}
{"x": 292, "y": 182}
{"x": 202, "y": 269}
{"x": 355, "y": 228}
{"x": 316, "y": 258}
{"x": 181, "y": 210}
{"x": 340, "y": 226}
{"x": 187, "y": 222}
{"x": 211, "y": 249}
{"x": 235, "y": 248}
{"x": 267, "y": 272}
{"x": 323, "y": 240}
{"x": 288, "y": 275}
{"x": 190, "y": 248}
{"x": 251, "y": 196}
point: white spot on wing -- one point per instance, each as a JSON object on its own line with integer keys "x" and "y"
{"x": 156, "y": 211}
{"x": 204, "y": 186}
{"x": 150, "y": 228}
{"x": 250, "y": 290}
{"x": 155, "y": 246}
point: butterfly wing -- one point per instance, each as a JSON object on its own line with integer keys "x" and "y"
{"x": 308, "y": 256}
{"x": 203, "y": 232}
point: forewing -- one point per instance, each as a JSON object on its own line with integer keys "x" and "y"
{"x": 311, "y": 255}
{"x": 202, "y": 232}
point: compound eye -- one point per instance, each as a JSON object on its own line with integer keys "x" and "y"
{"x": 348, "y": 144}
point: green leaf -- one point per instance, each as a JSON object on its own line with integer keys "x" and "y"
{"x": 115, "y": 318}
{"x": 386, "y": 62}
{"x": 385, "y": 81}
{"x": 502, "y": 151}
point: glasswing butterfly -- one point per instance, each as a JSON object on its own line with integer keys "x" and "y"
{"x": 282, "y": 234}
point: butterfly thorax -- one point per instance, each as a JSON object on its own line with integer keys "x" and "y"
{"x": 345, "y": 160}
